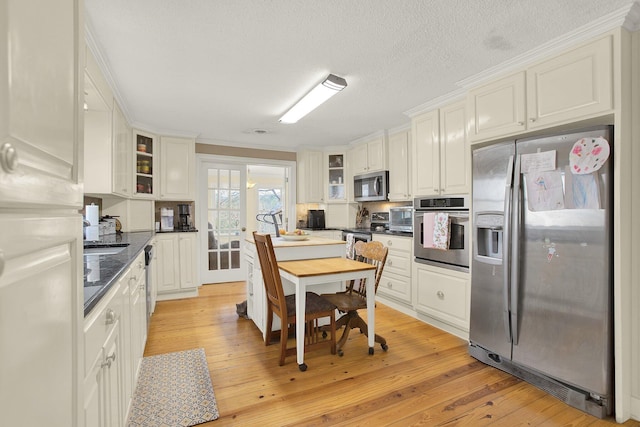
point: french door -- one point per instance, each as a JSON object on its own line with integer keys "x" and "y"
{"x": 221, "y": 221}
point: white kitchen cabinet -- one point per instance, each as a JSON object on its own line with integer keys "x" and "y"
{"x": 442, "y": 295}
{"x": 310, "y": 176}
{"x": 107, "y": 137}
{"x": 368, "y": 156}
{"x": 573, "y": 86}
{"x": 177, "y": 168}
{"x": 107, "y": 154}
{"x": 41, "y": 97}
{"x": 441, "y": 158}
{"x": 399, "y": 166}
{"x": 425, "y": 131}
{"x": 336, "y": 177}
{"x": 455, "y": 156}
{"x": 122, "y": 167}
{"x": 176, "y": 265}
{"x": 145, "y": 149}
{"x": 138, "y": 307}
{"x": 115, "y": 333}
{"x": 498, "y": 108}
{"x": 395, "y": 282}
{"x": 103, "y": 361}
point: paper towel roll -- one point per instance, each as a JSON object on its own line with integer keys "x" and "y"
{"x": 92, "y": 213}
{"x": 92, "y": 233}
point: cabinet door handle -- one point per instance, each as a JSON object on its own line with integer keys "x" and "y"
{"x": 532, "y": 119}
{"x": 108, "y": 360}
{"x": 8, "y": 157}
{"x": 520, "y": 123}
{"x": 440, "y": 294}
{"x": 389, "y": 243}
{"x": 110, "y": 317}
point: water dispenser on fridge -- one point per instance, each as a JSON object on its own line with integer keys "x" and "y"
{"x": 489, "y": 236}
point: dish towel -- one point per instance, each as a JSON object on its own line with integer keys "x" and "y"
{"x": 428, "y": 222}
{"x": 441, "y": 233}
{"x": 435, "y": 229}
{"x": 350, "y": 242}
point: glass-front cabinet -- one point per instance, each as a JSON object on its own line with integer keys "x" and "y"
{"x": 145, "y": 148}
{"x": 336, "y": 185}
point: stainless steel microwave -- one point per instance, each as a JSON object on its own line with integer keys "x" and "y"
{"x": 371, "y": 187}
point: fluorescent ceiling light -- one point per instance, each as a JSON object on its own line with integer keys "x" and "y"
{"x": 319, "y": 94}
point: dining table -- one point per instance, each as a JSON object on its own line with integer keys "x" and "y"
{"x": 309, "y": 272}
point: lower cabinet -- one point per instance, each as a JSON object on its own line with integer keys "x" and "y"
{"x": 114, "y": 340}
{"x": 443, "y": 296}
{"x": 176, "y": 266}
{"x": 103, "y": 403}
{"x": 395, "y": 282}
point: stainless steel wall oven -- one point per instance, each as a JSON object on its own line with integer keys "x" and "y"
{"x": 456, "y": 257}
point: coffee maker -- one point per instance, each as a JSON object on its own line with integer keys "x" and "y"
{"x": 185, "y": 213}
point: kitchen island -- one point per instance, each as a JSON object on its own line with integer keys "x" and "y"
{"x": 313, "y": 247}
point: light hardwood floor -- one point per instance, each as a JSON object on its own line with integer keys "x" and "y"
{"x": 426, "y": 378}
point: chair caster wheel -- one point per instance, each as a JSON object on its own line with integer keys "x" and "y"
{"x": 340, "y": 353}
{"x": 385, "y": 347}
{"x": 370, "y": 350}
{"x": 302, "y": 367}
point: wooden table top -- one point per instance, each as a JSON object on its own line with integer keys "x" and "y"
{"x": 320, "y": 266}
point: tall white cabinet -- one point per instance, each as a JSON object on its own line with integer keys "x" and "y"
{"x": 41, "y": 281}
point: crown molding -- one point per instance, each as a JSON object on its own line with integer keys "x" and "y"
{"x": 402, "y": 128}
{"x": 93, "y": 46}
{"x": 369, "y": 137}
{"x": 587, "y": 32}
{"x": 438, "y": 102}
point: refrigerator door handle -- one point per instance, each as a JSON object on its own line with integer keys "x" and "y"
{"x": 506, "y": 251}
{"x": 515, "y": 250}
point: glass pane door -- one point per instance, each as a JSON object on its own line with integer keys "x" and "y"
{"x": 221, "y": 242}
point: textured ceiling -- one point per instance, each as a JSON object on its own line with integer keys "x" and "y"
{"x": 222, "y": 69}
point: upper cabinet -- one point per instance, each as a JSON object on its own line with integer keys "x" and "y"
{"x": 122, "y": 169}
{"x": 575, "y": 85}
{"x": 368, "y": 157}
{"x": 441, "y": 157}
{"x": 336, "y": 178}
{"x": 177, "y": 168}
{"x": 107, "y": 138}
{"x": 399, "y": 166}
{"x": 310, "y": 177}
{"x": 145, "y": 149}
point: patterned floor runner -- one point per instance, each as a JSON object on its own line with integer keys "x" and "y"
{"x": 173, "y": 389}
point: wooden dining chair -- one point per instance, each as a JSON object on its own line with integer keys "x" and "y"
{"x": 355, "y": 297}
{"x": 284, "y": 306}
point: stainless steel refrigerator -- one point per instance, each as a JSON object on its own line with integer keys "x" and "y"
{"x": 541, "y": 293}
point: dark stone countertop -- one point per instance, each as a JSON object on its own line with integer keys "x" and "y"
{"x": 102, "y": 271}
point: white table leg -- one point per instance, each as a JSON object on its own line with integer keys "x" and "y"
{"x": 301, "y": 301}
{"x": 371, "y": 309}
